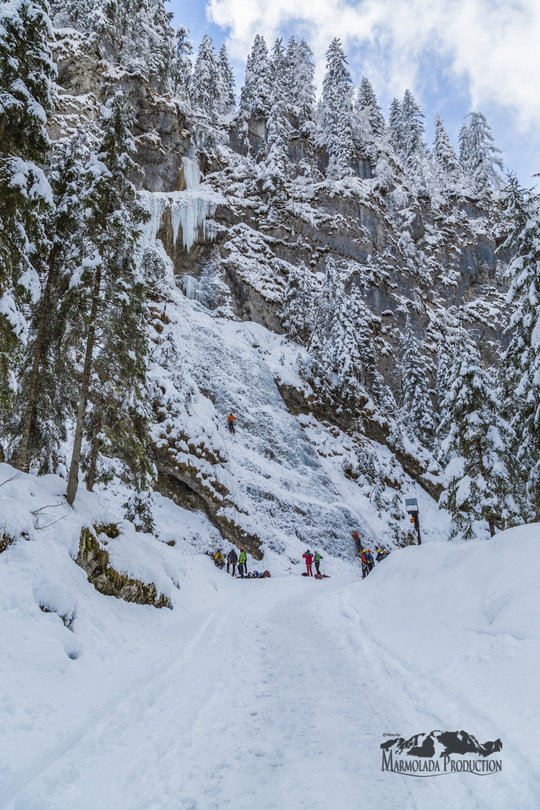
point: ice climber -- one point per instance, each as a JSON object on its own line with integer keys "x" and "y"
{"x": 380, "y": 555}
{"x": 231, "y": 419}
{"x": 242, "y": 563}
{"x": 365, "y": 564}
{"x": 318, "y": 559}
{"x": 218, "y": 559}
{"x": 232, "y": 559}
{"x": 308, "y": 557}
{"x": 370, "y": 560}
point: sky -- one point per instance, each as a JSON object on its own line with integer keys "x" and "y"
{"x": 455, "y": 55}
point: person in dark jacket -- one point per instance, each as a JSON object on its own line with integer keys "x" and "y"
{"x": 242, "y": 563}
{"x": 232, "y": 559}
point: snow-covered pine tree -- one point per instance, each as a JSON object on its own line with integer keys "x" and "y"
{"x": 371, "y": 377}
{"x": 412, "y": 131}
{"x": 395, "y": 125}
{"x": 344, "y": 347}
{"x": 181, "y": 62}
{"x": 368, "y": 111}
{"x": 291, "y": 58}
{"x": 444, "y": 155}
{"x": 47, "y": 376}
{"x": 521, "y": 361}
{"x": 478, "y": 156}
{"x": 416, "y": 403}
{"x": 301, "y": 77}
{"x": 279, "y": 129}
{"x": 107, "y": 297}
{"x": 475, "y": 443}
{"x": 319, "y": 342}
{"x": 297, "y": 308}
{"x": 444, "y": 363}
{"x": 255, "y": 94}
{"x": 206, "y": 88}
{"x": 155, "y": 55}
{"x": 228, "y": 100}
{"x": 336, "y": 111}
{"x": 134, "y": 34}
{"x": 26, "y": 76}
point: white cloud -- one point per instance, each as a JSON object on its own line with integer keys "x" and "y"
{"x": 493, "y": 46}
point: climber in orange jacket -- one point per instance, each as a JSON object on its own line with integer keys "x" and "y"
{"x": 231, "y": 419}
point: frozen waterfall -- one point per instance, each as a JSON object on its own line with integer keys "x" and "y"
{"x": 190, "y": 209}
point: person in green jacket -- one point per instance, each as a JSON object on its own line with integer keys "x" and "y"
{"x": 242, "y": 562}
{"x": 318, "y": 559}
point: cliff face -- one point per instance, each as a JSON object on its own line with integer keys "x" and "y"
{"x": 231, "y": 244}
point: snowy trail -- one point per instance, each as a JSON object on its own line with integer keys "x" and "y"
{"x": 279, "y": 700}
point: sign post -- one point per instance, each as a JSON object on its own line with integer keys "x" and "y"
{"x": 411, "y": 505}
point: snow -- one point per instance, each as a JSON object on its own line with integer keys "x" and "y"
{"x": 270, "y": 693}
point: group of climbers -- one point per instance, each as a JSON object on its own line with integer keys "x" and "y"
{"x": 368, "y": 563}
{"x": 310, "y": 559}
{"x": 233, "y": 560}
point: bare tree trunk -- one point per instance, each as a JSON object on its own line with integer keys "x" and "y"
{"x": 91, "y": 476}
{"x": 23, "y": 460}
{"x": 73, "y": 479}
{"x": 491, "y": 527}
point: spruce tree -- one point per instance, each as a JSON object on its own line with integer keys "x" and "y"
{"x": 395, "y": 123}
{"x": 337, "y": 112}
{"x": 105, "y": 297}
{"x": 446, "y": 161}
{"x": 276, "y": 161}
{"x": 412, "y": 145}
{"x": 135, "y": 35}
{"x": 255, "y": 94}
{"x": 301, "y": 71}
{"x": 297, "y": 308}
{"x": 319, "y": 343}
{"x": 416, "y": 404}
{"x": 345, "y": 350}
{"x": 521, "y": 361}
{"x": 181, "y": 62}
{"x": 47, "y": 375}
{"x": 26, "y": 76}
{"x": 206, "y": 87}
{"x": 479, "y": 157}
{"x": 228, "y": 101}
{"x": 368, "y": 109}
{"x": 475, "y": 443}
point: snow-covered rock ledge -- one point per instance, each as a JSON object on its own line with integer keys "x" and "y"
{"x": 36, "y": 522}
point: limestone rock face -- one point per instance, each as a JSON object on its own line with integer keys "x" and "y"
{"x": 233, "y": 244}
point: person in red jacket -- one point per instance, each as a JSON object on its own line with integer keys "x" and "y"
{"x": 365, "y": 563}
{"x": 308, "y": 557}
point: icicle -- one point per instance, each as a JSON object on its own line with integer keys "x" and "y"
{"x": 155, "y": 205}
{"x": 189, "y": 211}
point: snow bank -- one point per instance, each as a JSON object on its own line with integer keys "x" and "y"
{"x": 460, "y": 625}
{"x": 70, "y": 653}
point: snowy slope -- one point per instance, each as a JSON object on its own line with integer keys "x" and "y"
{"x": 271, "y": 693}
